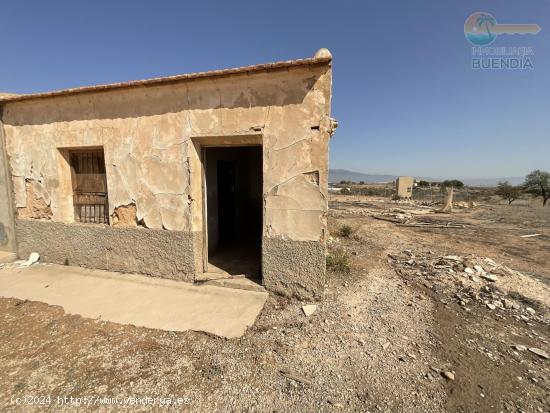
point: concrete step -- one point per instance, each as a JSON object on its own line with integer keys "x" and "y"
{"x": 170, "y": 305}
{"x": 6, "y": 256}
{"x": 239, "y": 283}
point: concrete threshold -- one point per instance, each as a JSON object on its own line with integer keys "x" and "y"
{"x": 135, "y": 299}
{"x": 237, "y": 282}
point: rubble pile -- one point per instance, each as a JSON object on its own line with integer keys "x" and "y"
{"x": 477, "y": 278}
{"x": 415, "y": 218}
{"x": 464, "y": 204}
{"x": 473, "y": 268}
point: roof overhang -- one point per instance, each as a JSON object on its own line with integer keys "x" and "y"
{"x": 323, "y": 56}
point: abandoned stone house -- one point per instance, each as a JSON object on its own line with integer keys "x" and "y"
{"x": 177, "y": 177}
{"x": 404, "y": 186}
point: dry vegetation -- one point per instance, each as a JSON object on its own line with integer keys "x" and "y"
{"x": 403, "y": 327}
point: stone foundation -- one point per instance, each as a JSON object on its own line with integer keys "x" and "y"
{"x": 294, "y": 268}
{"x": 159, "y": 253}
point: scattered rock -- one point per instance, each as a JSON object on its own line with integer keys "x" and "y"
{"x": 519, "y": 347}
{"x": 309, "y": 309}
{"x": 295, "y": 376}
{"x": 448, "y": 375}
{"x": 539, "y": 352}
{"x": 386, "y": 345}
{"x": 488, "y": 277}
{"x": 33, "y": 258}
{"x": 479, "y": 268}
{"x": 335, "y": 404}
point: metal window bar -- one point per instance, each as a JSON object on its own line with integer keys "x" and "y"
{"x": 90, "y": 198}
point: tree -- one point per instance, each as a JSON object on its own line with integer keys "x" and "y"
{"x": 423, "y": 184}
{"x": 455, "y": 183}
{"x": 345, "y": 191}
{"x": 508, "y": 192}
{"x": 537, "y": 183}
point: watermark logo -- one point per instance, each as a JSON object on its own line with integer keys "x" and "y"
{"x": 481, "y": 29}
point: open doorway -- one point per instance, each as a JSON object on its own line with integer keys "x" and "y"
{"x": 233, "y": 180}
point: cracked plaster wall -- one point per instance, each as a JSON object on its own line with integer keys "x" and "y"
{"x": 7, "y": 220}
{"x": 152, "y": 139}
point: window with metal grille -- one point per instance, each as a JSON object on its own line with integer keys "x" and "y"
{"x": 89, "y": 186}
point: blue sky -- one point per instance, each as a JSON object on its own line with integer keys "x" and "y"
{"x": 404, "y": 94}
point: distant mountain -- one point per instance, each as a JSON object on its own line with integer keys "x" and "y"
{"x": 337, "y": 175}
{"x": 514, "y": 180}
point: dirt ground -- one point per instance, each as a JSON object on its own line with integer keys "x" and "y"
{"x": 383, "y": 339}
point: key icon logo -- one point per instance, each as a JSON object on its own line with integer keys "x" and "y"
{"x": 481, "y": 29}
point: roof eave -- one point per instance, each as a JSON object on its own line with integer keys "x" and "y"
{"x": 172, "y": 79}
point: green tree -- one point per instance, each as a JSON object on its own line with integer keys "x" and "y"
{"x": 508, "y": 192}
{"x": 455, "y": 183}
{"x": 537, "y": 183}
{"x": 423, "y": 184}
{"x": 345, "y": 191}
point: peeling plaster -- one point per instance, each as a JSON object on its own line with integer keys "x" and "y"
{"x": 37, "y": 202}
{"x": 124, "y": 216}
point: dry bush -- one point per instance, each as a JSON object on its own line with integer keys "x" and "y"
{"x": 345, "y": 231}
{"x": 339, "y": 261}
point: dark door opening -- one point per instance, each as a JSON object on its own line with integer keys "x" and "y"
{"x": 227, "y": 208}
{"x": 234, "y": 210}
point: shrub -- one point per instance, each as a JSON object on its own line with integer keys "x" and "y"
{"x": 338, "y": 261}
{"x": 455, "y": 183}
{"x": 345, "y": 191}
{"x": 508, "y": 192}
{"x": 345, "y": 231}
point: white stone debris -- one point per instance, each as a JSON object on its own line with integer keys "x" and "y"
{"x": 479, "y": 269}
{"x": 309, "y": 309}
{"x": 489, "y": 277}
{"x": 33, "y": 258}
{"x": 449, "y": 375}
{"x": 539, "y": 352}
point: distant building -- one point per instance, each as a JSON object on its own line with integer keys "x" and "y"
{"x": 404, "y": 186}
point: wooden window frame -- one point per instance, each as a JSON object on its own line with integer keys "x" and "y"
{"x": 90, "y": 205}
